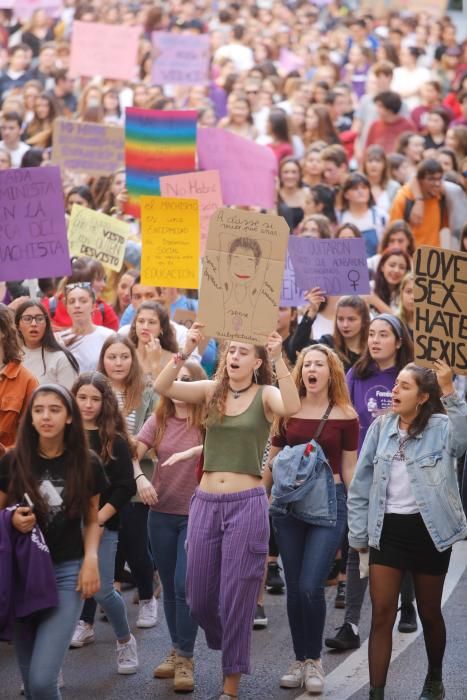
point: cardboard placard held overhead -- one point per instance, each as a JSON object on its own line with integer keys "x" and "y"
{"x": 170, "y": 237}
{"x": 95, "y": 149}
{"x": 338, "y": 266}
{"x": 242, "y": 275}
{"x": 97, "y": 236}
{"x": 440, "y": 293}
{"x": 33, "y": 240}
{"x": 180, "y": 59}
{"x": 108, "y": 50}
{"x": 291, "y": 294}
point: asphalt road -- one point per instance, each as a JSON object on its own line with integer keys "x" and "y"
{"x": 91, "y": 672}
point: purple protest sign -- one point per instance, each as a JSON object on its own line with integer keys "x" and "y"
{"x": 291, "y": 295}
{"x": 338, "y": 265}
{"x": 180, "y": 59}
{"x": 248, "y": 171}
{"x": 33, "y": 239}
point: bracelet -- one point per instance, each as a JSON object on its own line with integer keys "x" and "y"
{"x": 284, "y": 376}
{"x": 180, "y": 357}
{"x": 137, "y": 477}
{"x": 419, "y": 199}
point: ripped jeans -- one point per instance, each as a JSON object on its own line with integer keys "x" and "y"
{"x": 307, "y": 553}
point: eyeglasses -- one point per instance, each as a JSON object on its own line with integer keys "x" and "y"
{"x": 78, "y": 285}
{"x": 252, "y": 92}
{"x": 28, "y": 319}
{"x": 184, "y": 379}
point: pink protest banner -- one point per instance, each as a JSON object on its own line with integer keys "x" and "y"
{"x": 107, "y": 50}
{"x": 205, "y": 186}
{"x": 181, "y": 59}
{"x": 33, "y": 239}
{"x": 248, "y": 171}
{"x": 24, "y": 8}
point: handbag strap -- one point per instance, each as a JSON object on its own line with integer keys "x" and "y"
{"x": 323, "y": 421}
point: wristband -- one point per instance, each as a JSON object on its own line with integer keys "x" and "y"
{"x": 180, "y": 357}
{"x": 419, "y": 199}
{"x": 137, "y": 477}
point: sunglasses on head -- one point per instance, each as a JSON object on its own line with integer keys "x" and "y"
{"x": 78, "y": 285}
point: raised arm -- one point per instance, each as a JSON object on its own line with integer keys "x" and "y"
{"x": 285, "y": 400}
{"x": 189, "y": 392}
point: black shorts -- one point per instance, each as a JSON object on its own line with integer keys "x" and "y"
{"x": 406, "y": 544}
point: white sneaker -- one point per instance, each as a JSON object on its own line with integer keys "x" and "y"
{"x": 127, "y": 657}
{"x": 293, "y": 677}
{"x": 147, "y": 615}
{"x": 314, "y": 676}
{"x": 83, "y": 634}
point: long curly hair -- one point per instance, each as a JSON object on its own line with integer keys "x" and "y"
{"x": 262, "y": 377}
{"x": 110, "y": 420}
{"x": 134, "y": 381}
{"x": 79, "y": 480}
{"x": 338, "y": 393}
{"x": 9, "y": 337}
{"x": 165, "y": 408}
{"x": 167, "y": 336}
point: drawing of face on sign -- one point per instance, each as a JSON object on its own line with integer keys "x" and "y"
{"x": 242, "y": 275}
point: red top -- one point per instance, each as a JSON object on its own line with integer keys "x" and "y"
{"x": 281, "y": 150}
{"x": 386, "y": 135}
{"x": 337, "y": 435}
{"x": 102, "y": 315}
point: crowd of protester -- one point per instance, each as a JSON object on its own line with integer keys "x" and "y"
{"x": 136, "y": 444}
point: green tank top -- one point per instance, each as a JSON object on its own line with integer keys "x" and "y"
{"x": 236, "y": 444}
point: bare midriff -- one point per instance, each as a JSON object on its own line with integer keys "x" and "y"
{"x": 228, "y": 482}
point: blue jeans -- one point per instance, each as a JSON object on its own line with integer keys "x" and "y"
{"x": 307, "y": 553}
{"x": 107, "y": 597}
{"x": 41, "y": 649}
{"x": 167, "y": 535}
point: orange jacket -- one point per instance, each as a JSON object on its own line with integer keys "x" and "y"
{"x": 16, "y": 386}
{"x": 434, "y": 219}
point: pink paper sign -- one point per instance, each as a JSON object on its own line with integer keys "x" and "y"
{"x": 181, "y": 59}
{"x": 107, "y": 50}
{"x": 24, "y": 8}
{"x": 205, "y": 186}
{"x": 248, "y": 171}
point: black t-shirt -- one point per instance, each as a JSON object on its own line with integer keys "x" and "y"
{"x": 62, "y": 534}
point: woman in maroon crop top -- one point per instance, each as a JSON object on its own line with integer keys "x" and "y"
{"x": 307, "y": 551}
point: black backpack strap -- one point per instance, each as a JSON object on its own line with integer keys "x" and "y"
{"x": 322, "y": 422}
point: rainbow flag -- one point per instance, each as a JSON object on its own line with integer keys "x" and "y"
{"x": 157, "y": 143}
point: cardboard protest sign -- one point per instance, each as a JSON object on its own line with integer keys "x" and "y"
{"x": 337, "y": 265}
{"x": 440, "y": 293}
{"x": 242, "y": 275}
{"x": 33, "y": 240}
{"x": 97, "y": 236}
{"x": 248, "y": 171}
{"x": 205, "y": 186}
{"x": 291, "y": 294}
{"x": 107, "y": 50}
{"x": 95, "y": 149}
{"x": 157, "y": 142}
{"x": 170, "y": 236}
{"x": 181, "y": 59}
{"x": 381, "y": 8}
{"x": 24, "y": 8}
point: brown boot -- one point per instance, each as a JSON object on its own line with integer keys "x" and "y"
{"x": 167, "y": 668}
{"x": 183, "y": 679}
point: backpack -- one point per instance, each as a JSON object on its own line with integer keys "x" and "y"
{"x": 409, "y": 205}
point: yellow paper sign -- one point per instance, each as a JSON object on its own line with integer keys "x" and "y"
{"x": 171, "y": 242}
{"x": 97, "y": 236}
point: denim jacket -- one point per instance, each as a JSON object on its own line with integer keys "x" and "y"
{"x": 304, "y": 485}
{"x": 431, "y": 460}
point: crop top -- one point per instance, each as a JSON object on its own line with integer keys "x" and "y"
{"x": 236, "y": 443}
{"x": 337, "y": 435}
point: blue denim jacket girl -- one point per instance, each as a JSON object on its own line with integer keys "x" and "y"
{"x": 431, "y": 459}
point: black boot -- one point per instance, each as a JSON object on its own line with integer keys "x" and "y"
{"x": 433, "y": 688}
{"x": 376, "y": 693}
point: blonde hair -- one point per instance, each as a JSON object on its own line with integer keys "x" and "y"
{"x": 338, "y": 393}
{"x": 401, "y": 312}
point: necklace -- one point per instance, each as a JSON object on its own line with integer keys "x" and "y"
{"x": 236, "y": 392}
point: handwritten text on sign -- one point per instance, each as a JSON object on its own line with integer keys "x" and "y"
{"x": 181, "y": 59}
{"x": 33, "y": 239}
{"x": 205, "y": 186}
{"x": 97, "y": 236}
{"x": 242, "y": 275}
{"x": 440, "y": 292}
{"x": 337, "y": 266}
{"x": 170, "y": 229}
{"x": 95, "y": 149}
